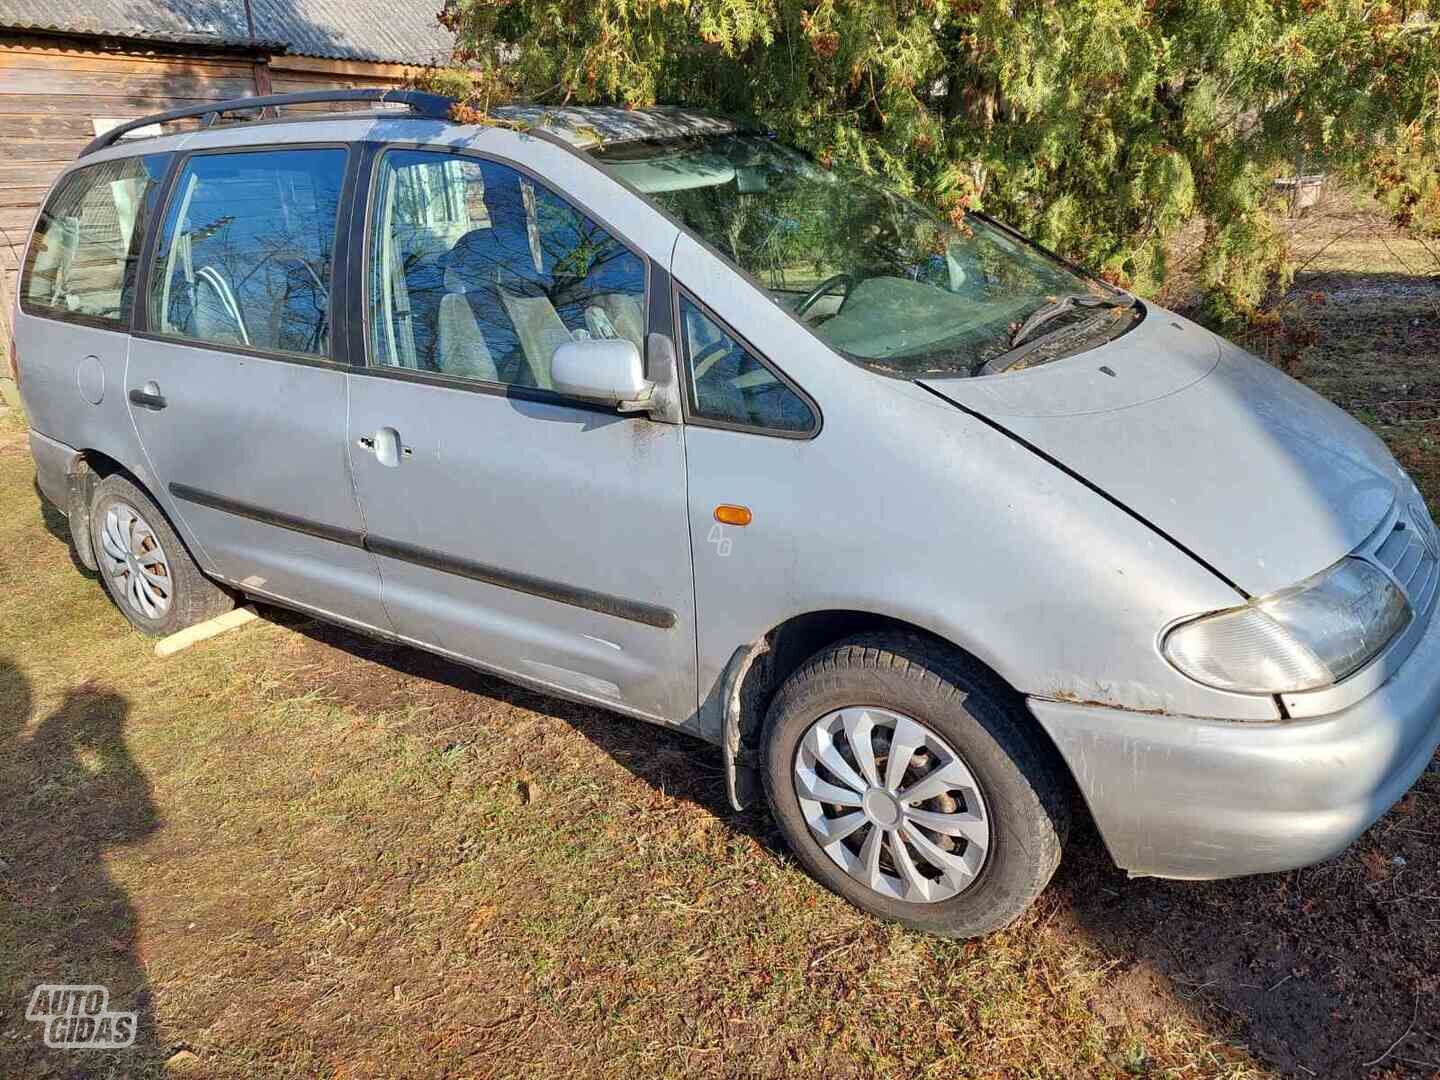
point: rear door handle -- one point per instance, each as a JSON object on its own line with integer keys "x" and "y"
{"x": 149, "y": 397}
{"x": 385, "y": 444}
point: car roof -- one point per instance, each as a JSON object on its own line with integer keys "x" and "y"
{"x": 591, "y": 125}
{"x": 579, "y": 126}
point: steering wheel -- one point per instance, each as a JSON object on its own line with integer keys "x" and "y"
{"x": 813, "y": 296}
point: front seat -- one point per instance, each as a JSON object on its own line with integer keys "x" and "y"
{"x": 490, "y": 270}
{"x": 539, "y": 327}
{"x": 463, "y": 349}
{"x": 617, "y": 315}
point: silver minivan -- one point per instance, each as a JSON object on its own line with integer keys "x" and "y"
{"x": 929, "y": 530}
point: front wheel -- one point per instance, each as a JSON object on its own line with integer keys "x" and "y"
{"x": 908, "y": 781}
{"x": 145, "y": 567}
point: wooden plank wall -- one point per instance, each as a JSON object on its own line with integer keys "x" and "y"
{"x": 296, "y": 74}
{"x": 52, "y": 88}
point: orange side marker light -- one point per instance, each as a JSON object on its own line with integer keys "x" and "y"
{"x": 732, "y": 515}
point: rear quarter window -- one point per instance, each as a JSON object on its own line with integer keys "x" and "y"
{"x": 85, "y": 252}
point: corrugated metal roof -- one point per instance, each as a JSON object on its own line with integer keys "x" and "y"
{"x": 397, "y": 32}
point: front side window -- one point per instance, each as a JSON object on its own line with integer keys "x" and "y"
{"x": 731, "y": 384}
{"x": 479, "y": 272}
{"x": 876, "y": 276}
{"x": 245, "y": 255}
{"x": 83, "y": 259}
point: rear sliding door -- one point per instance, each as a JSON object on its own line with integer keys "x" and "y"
{"x": 235, "y": 389}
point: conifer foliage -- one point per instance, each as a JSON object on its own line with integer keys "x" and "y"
{"x": 1098, "y": 126}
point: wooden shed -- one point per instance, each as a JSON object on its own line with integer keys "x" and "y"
{"x": 72, "y": 68}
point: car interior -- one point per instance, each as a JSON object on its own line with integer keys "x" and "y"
{"x": 483, "y": 273}
{"x": 87, "y": 254}
{"x": 246, "y": 252}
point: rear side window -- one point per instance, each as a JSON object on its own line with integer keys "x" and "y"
{"x": 245, "y": 255}
{"x": 82, "y": 262}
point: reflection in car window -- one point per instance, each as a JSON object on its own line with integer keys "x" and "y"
{"x": 479, "y": 272}
{"x": 87, "y": 242}
{"x": 873, "y": 274}
{"x": 731, "y": 384}
{"x": 245, "y": 255}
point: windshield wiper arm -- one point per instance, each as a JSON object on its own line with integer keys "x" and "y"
{"x": 1060, "y": 306}
{"x": 1012, "y": 356}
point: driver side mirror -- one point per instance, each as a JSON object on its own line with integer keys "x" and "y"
{"x": 607, "y": 370}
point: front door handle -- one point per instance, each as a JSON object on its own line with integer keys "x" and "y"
{"x": 148, "y": 397}
{"x": 385, "y": 444}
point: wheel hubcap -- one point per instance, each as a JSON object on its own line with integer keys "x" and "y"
{"x": 892, "y": 804}
{"x": 135, "y": 563}
{"x": 881, "y": 808}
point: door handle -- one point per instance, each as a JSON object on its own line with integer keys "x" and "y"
{"x": 149, "y": 397}
{"x": 385, "y": 444}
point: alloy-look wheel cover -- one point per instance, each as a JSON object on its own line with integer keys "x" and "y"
{"x": 892, "y": 804}
{"x": 135, "y": 562}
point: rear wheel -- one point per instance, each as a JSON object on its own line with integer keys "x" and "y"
{"x": 145, "y": 567}
{"x": 907, "y": 780}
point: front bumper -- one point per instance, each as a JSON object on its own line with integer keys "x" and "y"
{"x": 1182, "y": 797}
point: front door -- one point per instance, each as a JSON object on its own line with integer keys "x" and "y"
{"x": 534, "y": 535}
{"x": 238, "y": 402}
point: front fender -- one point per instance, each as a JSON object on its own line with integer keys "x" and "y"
{"x": 905, "y": 507}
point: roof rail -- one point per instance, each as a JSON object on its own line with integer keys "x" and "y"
{"x": 427, "y": 106}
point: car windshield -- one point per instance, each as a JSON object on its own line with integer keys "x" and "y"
{"x": 875, "y": 275}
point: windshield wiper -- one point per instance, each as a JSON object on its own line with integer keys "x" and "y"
{"x": 1060, "y": 306}
{"x": 1012, "y": 356}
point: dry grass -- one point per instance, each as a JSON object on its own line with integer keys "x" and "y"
{"x": 296, "y": 853}
{"x": 1365, "y": 307}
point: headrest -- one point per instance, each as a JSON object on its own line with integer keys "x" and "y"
{"x": 491, "y": 256}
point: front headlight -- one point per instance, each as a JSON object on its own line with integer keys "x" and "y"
{"x": 1301, "y": 638}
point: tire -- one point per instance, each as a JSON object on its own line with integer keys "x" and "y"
{"x": 1005, "y": 799}
{"x": 174, "y": 593}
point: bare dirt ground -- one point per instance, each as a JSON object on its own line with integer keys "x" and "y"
{"x": 1324, "y": 967}
{"x": 297, "y": 852}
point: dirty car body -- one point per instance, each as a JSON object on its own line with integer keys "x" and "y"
{"x": 646, "y": 410}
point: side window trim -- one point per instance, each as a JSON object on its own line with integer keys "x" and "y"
{"x": 181, "y": 212}
{"x": 151, "y": 220}
{"x": 140, "y": 313}
{"x": 679, "y": 292}
{"x": 363, "y": 219}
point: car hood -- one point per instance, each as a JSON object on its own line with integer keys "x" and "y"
{"x": 1262, "y": 478}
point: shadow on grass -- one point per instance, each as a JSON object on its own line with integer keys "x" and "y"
{"x": 58, "y": 526}
{"x": 1316, "y": 971}
{"x": 69, "y": 794}
{"x": 1349, "y": 284}
{"x": 678, "y": 764}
